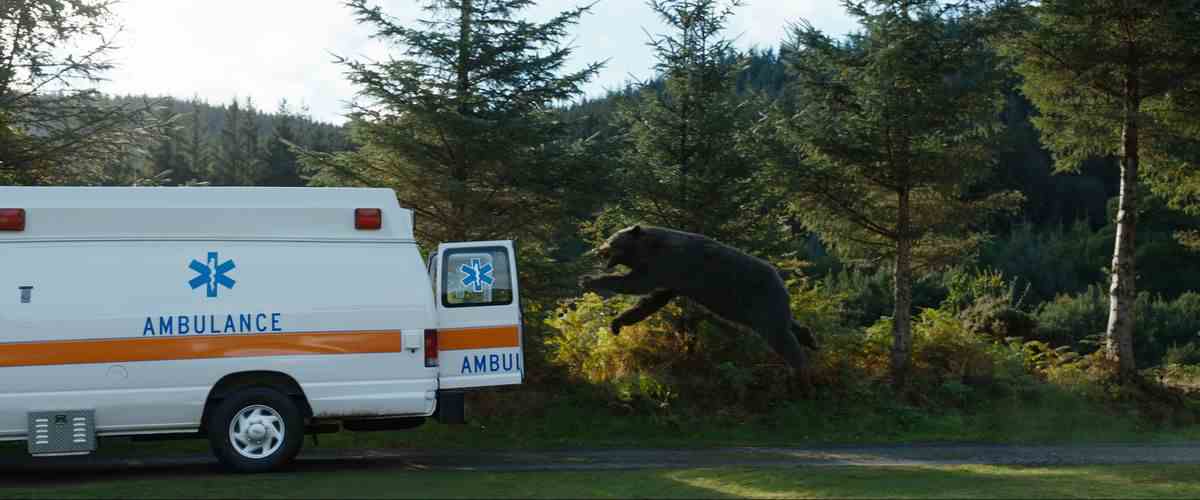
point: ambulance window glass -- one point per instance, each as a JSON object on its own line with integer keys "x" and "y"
{"x": 476, "y": 277}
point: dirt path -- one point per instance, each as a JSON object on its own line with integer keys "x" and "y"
{"x": 19, "y": 469}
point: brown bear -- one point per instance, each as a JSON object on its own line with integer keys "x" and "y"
{"x": 731, "y": 284}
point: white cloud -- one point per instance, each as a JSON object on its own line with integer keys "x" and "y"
{"x": 275, "y": 49}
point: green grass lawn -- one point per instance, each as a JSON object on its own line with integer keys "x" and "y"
{"x": 1060, "y": 420}
{"x": 820, "y": 482}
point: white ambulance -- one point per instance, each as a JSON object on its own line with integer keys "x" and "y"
{"x": 247, "y": 315}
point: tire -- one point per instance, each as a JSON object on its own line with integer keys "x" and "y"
{"x": 244, "y": 430}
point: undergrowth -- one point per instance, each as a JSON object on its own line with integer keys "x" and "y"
{"x": 982, "y": 369}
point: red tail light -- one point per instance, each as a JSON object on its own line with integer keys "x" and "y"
{"x": 431, "y": 348}
{"x": 368, "y": 218}
{"x": 12, "y": 219}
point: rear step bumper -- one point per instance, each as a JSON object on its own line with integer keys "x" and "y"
{"x": 451, "y": 407}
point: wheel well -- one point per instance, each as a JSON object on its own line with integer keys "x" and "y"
{"x": 275, "y": 380}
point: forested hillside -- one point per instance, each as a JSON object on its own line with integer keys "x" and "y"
{"x": 234, "y": 144}
{"x": 953, "y": 189}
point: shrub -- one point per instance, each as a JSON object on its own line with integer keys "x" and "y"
{"x": 1080, "y": 320}
{"x": 679, "y": 357}
{"x": 1164, "y": 323}
{"x": 951, "y": 364}
{"x": 996, "y": 318}
{"x": 965, "y": 287}
{"x": 868, "y": 294}
{"x": 1055, "y": 260}
{"x": 1186, "y": 354}
{"x": 989, "y": 304}
{"x": 1076, "y": 320}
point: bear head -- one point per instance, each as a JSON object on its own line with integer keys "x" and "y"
{"x": 624, "y": 247}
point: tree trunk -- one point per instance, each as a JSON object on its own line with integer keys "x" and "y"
{"x": 1122, "y": 293}
{"x": 459, "y": 168}
{"x": 902, "y": 314}
{"x": 464, "y": 55}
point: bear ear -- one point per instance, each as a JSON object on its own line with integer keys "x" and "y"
{"x": 636, "y": 231}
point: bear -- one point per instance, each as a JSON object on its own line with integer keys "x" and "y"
{"x": 734, "y": 286}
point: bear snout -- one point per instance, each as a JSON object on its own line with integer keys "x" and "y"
{"x": 605, "y": 253}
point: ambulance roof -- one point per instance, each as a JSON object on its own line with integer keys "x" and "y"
{"x": 208, "y": 213}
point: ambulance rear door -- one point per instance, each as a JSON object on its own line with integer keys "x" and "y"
{"x": 479, "y": 315}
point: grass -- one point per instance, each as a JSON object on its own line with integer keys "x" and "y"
{"x": 1051, "y": 418}
{"x": 1174, "y": 481}
{"x": 561, "y": 424}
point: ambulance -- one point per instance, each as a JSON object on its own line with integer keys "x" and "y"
{"x": 247, "y": 316}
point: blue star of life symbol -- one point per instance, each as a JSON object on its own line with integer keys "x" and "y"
{"x": 212, "y": 274}
{"x": 476, "y": 275}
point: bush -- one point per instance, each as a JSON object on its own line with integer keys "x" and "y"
{"x": 1187, "y": 354}
{"x": 1164, "y": 323}
{"x": 868, "y": 294}
{"x": 996, "y": 318}
{"x": 1080, "y": 321}
{"x": 1075, "y": 320}
{"x": 951, "y": 364}
{"x": 1057, "y": 260}
{"x": 679, "y": 359}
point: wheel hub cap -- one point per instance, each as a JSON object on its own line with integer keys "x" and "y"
{"x": 257, "y": 431}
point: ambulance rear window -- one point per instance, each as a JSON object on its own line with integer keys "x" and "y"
{"x": 476, "y": 277}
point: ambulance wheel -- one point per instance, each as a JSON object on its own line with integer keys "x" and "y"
{"x": 257, "y": 429}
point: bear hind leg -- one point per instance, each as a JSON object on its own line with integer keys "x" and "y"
{"x": 805, "y": 336}
{"x": 782, "y": 340}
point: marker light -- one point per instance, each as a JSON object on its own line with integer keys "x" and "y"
{"x": 431, "y": 348}
{"x": 368, "y": 218}
{"x": 12, "y": 219}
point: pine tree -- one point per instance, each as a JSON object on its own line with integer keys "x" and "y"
{"x": 251, "y": 145}
{"x": 892, "y": 131}
{"x": 282, "y": 167}
{"x": 53, "y": 122}
{"x": 168, "y": 157}
{"x": 232, "y": 161}
{"x": 460, "y": 124}
{"x": 1111, "y": 79}
{"x": 196, "y": 149}
{"x": 685, "y": 160}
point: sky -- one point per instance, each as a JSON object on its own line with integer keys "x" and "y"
{"x": 268, "y": 50}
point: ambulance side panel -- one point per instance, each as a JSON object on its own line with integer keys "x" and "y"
{"x": 141, "y": 331}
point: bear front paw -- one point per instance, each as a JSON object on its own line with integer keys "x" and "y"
{"x": 616, "y": 326}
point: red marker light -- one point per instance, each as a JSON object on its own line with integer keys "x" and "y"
{"x": 431, "y": 348}
{"x": 369, "y": 219}
{"x": 12, "y": 219}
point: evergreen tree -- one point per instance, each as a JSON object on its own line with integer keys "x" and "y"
{"x": 168, "y": 156}
{"x": 196, "y": 149}
{"x": 1111, "y": 79}
{"x": 685, "y": 159}
{"x": 52, "y": 119}
{"x": 282, "y": 167}
{"x": 893, "y": 129}
{"x": 251, "y": 145}
{"x": 232, "y": 161}
{"x": 459, "y": 123}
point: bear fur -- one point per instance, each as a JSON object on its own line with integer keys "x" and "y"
{"x": 731, "y": 284}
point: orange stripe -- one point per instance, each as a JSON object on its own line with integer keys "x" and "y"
{"x": 479, "y": 338}
{"x": 70, "y": 352}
